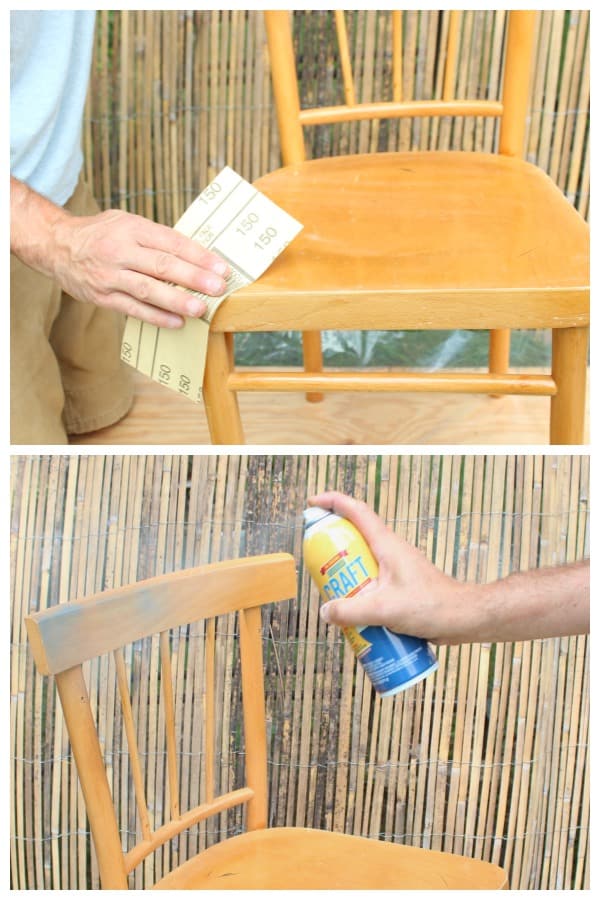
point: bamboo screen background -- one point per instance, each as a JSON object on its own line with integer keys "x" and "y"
{"x": 176, "y": 95}
{"x": 489, "y": 757}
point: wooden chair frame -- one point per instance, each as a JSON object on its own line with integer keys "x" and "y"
{"x": 62, "y": 638}
{"x": 65, "y": 636}
{"x": 271, "y": 304}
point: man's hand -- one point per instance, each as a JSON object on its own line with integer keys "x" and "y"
{"x": 412, "y": 596}
{"x": 115, "y": 259}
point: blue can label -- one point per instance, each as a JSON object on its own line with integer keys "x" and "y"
{"x": 394, "y": 661}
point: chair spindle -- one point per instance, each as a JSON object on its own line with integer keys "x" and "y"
{"x": 342, "y": 36}
{"x": 397, "y": 60}
{"x": 134, "y": 755}
{"x": 451, "y": 55}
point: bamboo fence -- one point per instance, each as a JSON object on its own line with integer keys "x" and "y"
{"x": 489, "y": 757}
{"x": 176, "y": 95}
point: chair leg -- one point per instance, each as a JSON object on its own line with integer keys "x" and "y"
{"x": 569, "y": 370}
{"x": 313, "y": 359}
{"x": 499, "y": 352}
{"x": 221, "y": 404}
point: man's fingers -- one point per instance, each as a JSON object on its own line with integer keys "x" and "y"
{"x": 165, "y": 267}
{"x": 370, "y": 525}
{"x": 146, "y": 312}
{"x": 160, "y": 294}
{"x": 362, "y": 609}
{"x": 167, "y": 240}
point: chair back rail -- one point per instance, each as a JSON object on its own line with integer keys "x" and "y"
{"x": 511, "y": 109}
{"x": 65, "y": 637}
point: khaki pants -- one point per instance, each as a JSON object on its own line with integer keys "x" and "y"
{"x": 65, "y": 368}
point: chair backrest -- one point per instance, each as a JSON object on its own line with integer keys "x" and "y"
{"x": 64, "y": 637}
{"x": 511, "y": 108}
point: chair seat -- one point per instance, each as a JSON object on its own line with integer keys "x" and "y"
{"x": 309, "y": 859}
{"x": 479, "y": 240}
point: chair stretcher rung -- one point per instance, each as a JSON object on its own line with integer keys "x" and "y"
{"x": 441, "y": 382}
{"x": 396, "y": 110}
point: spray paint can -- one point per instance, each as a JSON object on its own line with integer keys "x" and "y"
{"x": 341, "y": 564}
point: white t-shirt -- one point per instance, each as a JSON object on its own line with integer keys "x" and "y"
{"x": 50, "y": 58}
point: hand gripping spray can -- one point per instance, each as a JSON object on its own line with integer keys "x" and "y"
{"x": 341, "y": 564}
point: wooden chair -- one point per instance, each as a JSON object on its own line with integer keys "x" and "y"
{"x": 413, "y": 240}
{"x": 63, "y": 637}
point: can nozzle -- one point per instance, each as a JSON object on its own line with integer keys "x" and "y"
{"x": 314, "y": 514}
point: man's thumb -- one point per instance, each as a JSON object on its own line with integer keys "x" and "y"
{"x": 358, "y": 610}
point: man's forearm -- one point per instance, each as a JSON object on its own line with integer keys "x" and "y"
{"x": 547, "y": 602}
{"x": 32, "y": 222}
